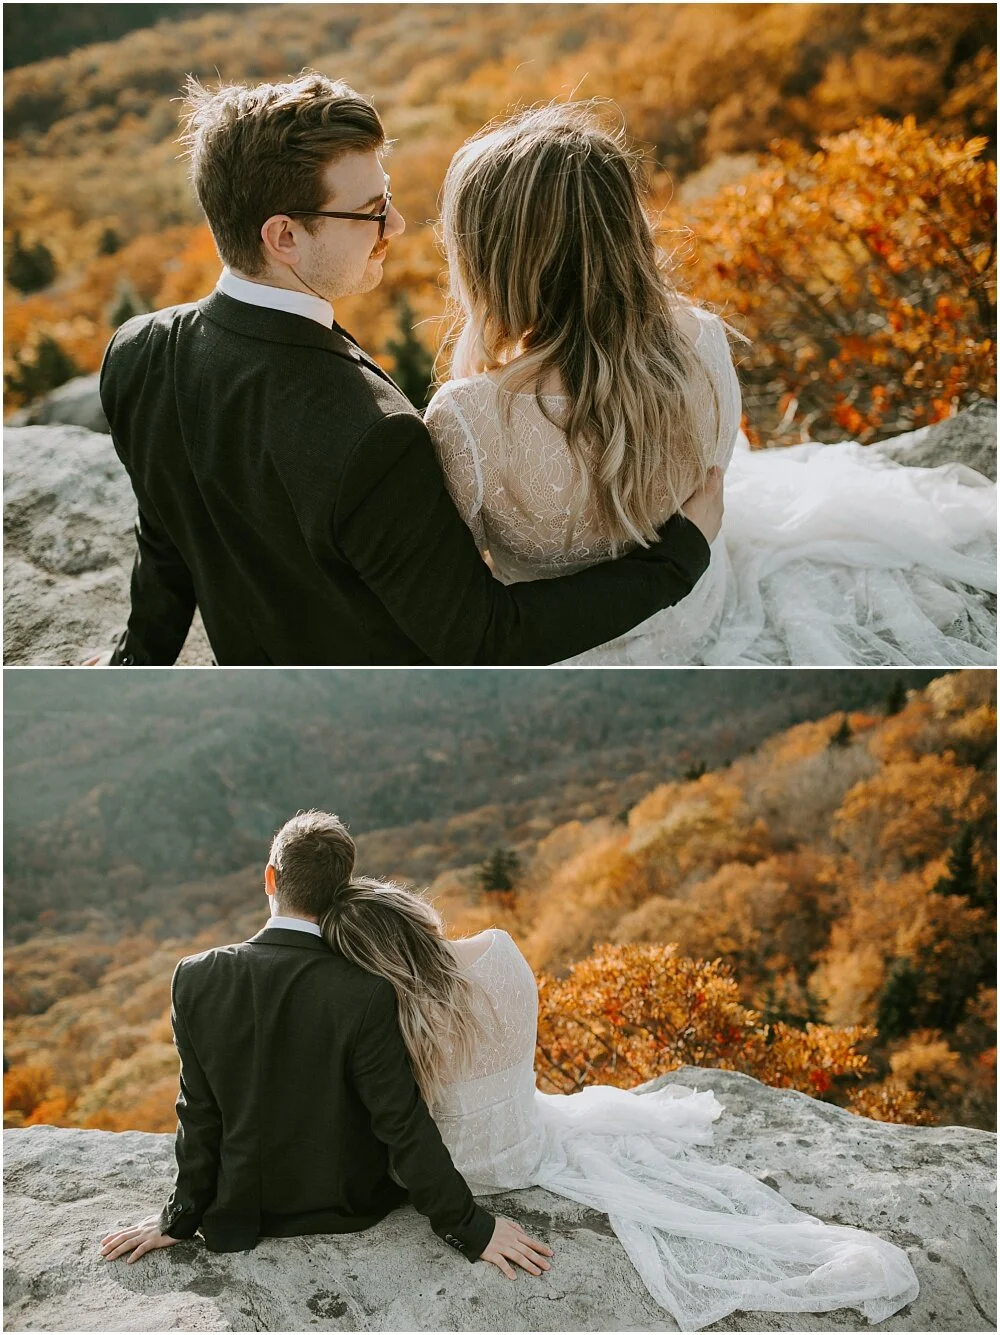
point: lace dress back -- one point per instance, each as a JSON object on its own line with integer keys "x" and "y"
{"x": 516, "y": 485}
{"x": 488, "y": 1117}
{"x": 829, "y": 554}
{"x": 706, "y": 1239}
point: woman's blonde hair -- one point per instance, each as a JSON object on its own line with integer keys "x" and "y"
{"x": 395, "y": 933}
{"x": 554, "y": 268}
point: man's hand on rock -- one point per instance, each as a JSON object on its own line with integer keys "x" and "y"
{"x": 139, "y": 1239}
{"x": 704, "y": 508}
{"x": 510, "y": 1243}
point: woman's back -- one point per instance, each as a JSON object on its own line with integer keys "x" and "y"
{"x": 487, "y": 1117}
{"x": 513, "y": 478}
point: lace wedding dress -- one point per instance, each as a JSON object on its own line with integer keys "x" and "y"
{"x": 829, "y": 554}
{"x": 707, "y": 1239}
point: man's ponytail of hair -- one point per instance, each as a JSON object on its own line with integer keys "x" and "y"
{"x": 396, "y": 934}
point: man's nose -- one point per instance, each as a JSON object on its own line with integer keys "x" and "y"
{"x": 395, "y": 223}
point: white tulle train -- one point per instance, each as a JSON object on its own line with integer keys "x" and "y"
{"x": 833, "y": 554}
{"x": 707, "y": 1239}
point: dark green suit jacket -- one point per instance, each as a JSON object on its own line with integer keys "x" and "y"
{"x": 287, "y": 488}
{"x": 296, "y": 1098}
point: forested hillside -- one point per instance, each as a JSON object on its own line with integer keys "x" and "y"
{"x": 117, "y": 791}
{"x": 823, "y": 173}
{"x": 33, "y": 32}
{"x": 821, "y": 912}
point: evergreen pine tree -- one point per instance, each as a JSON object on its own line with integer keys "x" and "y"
{"x": 414, "y": 365}
{"x": 960, "y": 876}
{"x": 896, "y": 699}
{"x": 127, "y": 303}
{"x": 29, "y": 268}
{"x": 498, "y": 874}
{"x": 843, "y": 736}
{"x": 897, "y": 1001}
{"x": 50, "y": 367}
{"x": 110, "y": 242}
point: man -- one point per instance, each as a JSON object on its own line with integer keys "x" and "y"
{"x": 298, "y": 1111}
{"x": 284, "y": 484}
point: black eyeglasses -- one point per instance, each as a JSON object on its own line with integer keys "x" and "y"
{"x": 379, "y": 217}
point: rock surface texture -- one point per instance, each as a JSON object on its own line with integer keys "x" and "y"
{"x": 69, "y": 546}
{"x": 969, "y": 437}
{"x": 77, "y": 403}
{"x": 929, "y": 1190}
{"x": 69, "y": 512}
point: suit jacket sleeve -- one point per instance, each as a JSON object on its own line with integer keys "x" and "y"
{"x": 396, "y": 524}
{"x": 162, "y": 590}
{"x": 400, "y": 1119}
{"x": 199, "y": 1133}
{"x": 162, "y": 599}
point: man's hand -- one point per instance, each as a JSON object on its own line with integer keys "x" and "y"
{"x": 704, "y": 508}
{"x": 138, "y": 1240}
{"x": 510, "y": 1243}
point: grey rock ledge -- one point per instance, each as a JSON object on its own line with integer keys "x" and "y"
{"x": 929, "y": 1190}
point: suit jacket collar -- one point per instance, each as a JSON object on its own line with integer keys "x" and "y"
{"x": 272, "y": 326}
{"x": 284, "y": 936}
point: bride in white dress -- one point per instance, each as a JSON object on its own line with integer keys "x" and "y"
{"x": 588, "y": 399}
{"x": 706, "y": 1239}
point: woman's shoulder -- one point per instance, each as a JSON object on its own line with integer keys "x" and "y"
{"x": 461, "y": 389}
{"x": 699, "y": 322}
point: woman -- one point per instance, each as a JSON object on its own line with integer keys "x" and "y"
{"x": 588, "y": 398}
{"x": 706, "y": 1239}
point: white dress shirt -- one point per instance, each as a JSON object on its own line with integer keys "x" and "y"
{"x": 275, "y": 298}
{"x": 293, "y": 924}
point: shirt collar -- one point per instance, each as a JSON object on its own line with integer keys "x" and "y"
{"x": 293, "y": 924}
{"x": 275, "y": 298}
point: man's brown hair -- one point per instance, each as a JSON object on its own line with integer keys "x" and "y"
{"x": 257, "y": 151}
{"x": 313, "y": 857}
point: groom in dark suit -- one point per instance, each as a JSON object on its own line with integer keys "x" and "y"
{"x": 298, "y": 1111}
{"x": 285, "y": 485}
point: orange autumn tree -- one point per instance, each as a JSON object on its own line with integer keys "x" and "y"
{"x": 864, "y": 273}
{"x": 627, "y": 1014}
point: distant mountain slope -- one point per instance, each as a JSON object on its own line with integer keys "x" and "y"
{"x": 178, "y": 776}
{"x": 39, "y": 32}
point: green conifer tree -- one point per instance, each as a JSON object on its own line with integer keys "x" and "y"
{"x": 126, "y": 304}
{"x": 110, "y": 242}
{"x": 843, "y": 736}
{"x": 499, "y": 873}
{"x": 32, "y": 377}
{"x": 414, "y": 365}
{"x": 898, "y": 1000}
{"x": 896, "y": 699}
{"x": 29, "y": 268}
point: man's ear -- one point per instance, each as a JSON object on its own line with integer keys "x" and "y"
{"x": 269, "y": 882}
{"x": 279, "y": 240}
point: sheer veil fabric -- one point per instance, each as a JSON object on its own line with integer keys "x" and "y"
{"x": 829, "y": 554}
{"x": 706, "y": 1239}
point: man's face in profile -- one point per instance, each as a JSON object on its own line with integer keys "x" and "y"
{"x": 344, "y": 256}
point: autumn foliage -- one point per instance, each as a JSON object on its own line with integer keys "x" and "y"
{"x": 865, "y": 273}
{"x": 628, "y": 1014}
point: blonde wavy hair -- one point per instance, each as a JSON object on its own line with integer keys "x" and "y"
{"x": 395, "y": 933}
{"x": 554, "y": 268}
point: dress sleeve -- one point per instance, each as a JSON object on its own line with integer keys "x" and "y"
{"x": 458, "y": 455}
{"x": 712, "y": 346}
